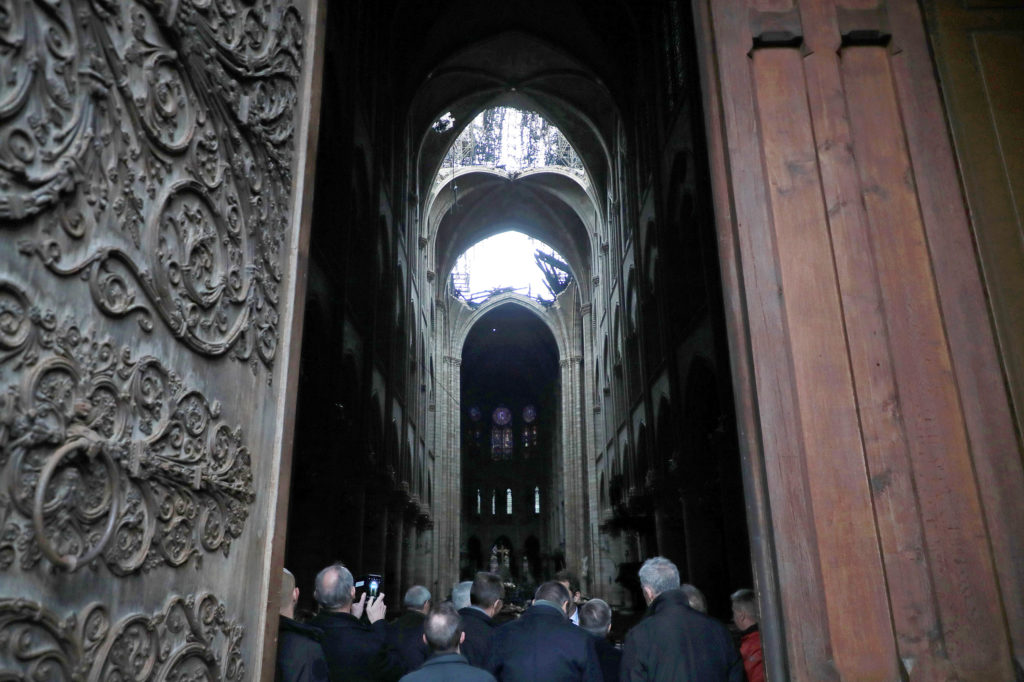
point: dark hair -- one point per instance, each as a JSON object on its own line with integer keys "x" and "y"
{"x": 567, "y": 576}
{"x": 595, "y": 617}
{"x": 553, "y": 591}
{"x": 486, "y": 590}
{"x": 443, "y": 627}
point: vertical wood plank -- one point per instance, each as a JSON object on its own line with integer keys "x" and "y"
{"x": 301, "y": 220}
{"x": 759, "y": 515}
{"x": 799, "y": 577}
{"x": 996, "y": 448}
{"x": 908, "y": 578}
{"x": 955, "y": 533}
{"x": 851, "y": 567}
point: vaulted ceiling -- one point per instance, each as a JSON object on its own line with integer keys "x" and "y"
{"x": 565, "y": 59}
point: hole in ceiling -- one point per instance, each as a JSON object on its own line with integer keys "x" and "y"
{"x": 444, "y": 123}
{"x": 510, "y": 261}
{"x": 510, "y": 139}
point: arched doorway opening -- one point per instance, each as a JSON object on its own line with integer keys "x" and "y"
{"x": 510, "y": 426}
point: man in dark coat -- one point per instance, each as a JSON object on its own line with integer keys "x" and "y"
{"x": 300, "y": 658}
{"x": 485, "y": 600}
{"x": 674, "y": 643}
{"x": 443, "y": 632}
{"x": 596, "y": 618}
{"x": 405, "y": 633}
{"x": 543, "y": 645}
{"x": 355, "y": 651}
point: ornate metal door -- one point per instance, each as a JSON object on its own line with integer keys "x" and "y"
{"x": 151, "y": 164}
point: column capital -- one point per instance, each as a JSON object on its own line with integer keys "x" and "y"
{"x": 586, "y": 309}
{"x": 453, "y": 360}
{"x": 570, "y": 361}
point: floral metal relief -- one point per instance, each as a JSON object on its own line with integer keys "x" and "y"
{"x": 191, "y": 638}
{"x": 146, "y": 146}
{"x": 105, "y": 456}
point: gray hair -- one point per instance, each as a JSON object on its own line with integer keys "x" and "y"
{"x": 333, "y": 587}
{"x": 595, "y": 617}
{"x": 659, "y": 574}
{"x": 460, "y": 594}
{"x": 415, "y": 597}
{"x": 745, "y": 601}
{"x": 443, "y": 627}
{"x": 694, "y": 597}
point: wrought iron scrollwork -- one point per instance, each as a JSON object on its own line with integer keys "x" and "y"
{"x": 191, "y": 638}
{"x": 147, "y": 146}
{"x": 108, "y": 457}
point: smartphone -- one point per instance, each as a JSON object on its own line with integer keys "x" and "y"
{"x": 370, "y": 584}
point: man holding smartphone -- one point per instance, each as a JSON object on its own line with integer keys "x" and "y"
{"x": 355, "y": 650}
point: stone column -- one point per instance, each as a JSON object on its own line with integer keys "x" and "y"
{"x": 573, "y": 480}
{"x": 448, "y": 479}
{"x": 591, "y": 446}
{"x": 395, "y": 526}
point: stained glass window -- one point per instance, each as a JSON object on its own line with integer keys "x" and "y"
{"x": 494, "y": 502}
{"x": 501, "y": 434}
{"x": 536, "y": 500}
{"x": 508, "y": 501}
{"x": 478, "y": 501}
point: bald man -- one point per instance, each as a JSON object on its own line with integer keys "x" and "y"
{"x": 355, "y": 651}
{"x": 300, "y": 658}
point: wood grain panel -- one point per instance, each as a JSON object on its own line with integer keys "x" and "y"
{"x": 979, "y": 55}
{"x": 860, "y": 230}
{"x": 800, "y": 585}
{"x": 759, "y": 515}
{"x": 851, "y": 567}
{"x": 996, "y": 449}
{"x": 955, "y": 533}
{"x": 908, "y": 579}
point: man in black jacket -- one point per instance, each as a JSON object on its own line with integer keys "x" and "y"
{"x": 443, "y": 632}
{"x": 674, "y": 643}
{"x": 355, "y": 651}
{"x": 485, "y": 600}
{"x": 596, "y": 618}
{"x": 543, "y": 645}
{"x": 300, "y": 658}
{"x": 405, "y": 633}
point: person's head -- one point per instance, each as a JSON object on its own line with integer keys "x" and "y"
{"x": 596, "y": 617}
{"x": 694, "y": 597}
{"x": 744, "y": 608}
{"x": 334, "y": 588}
{"x": 571, "y": 583}
{"x": 460, "y": 594}
{"x": 555, "y": 592}
{"x": 658, "y": 575}
{"x": 442, "y": 630}
{"x": 289, "y": 594}
{"x": 487, "y": 592}
{"x": 417, "y": 598}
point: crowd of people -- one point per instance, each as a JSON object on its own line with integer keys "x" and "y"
{"x": 560, "y": 636}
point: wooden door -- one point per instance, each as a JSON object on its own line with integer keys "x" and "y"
{"x": 152, "y": 185}
{"x": 979, "y": 52}
{"x": 882, "y": 469}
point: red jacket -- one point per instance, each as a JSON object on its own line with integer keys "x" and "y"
{"x": 750, "y": 650}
